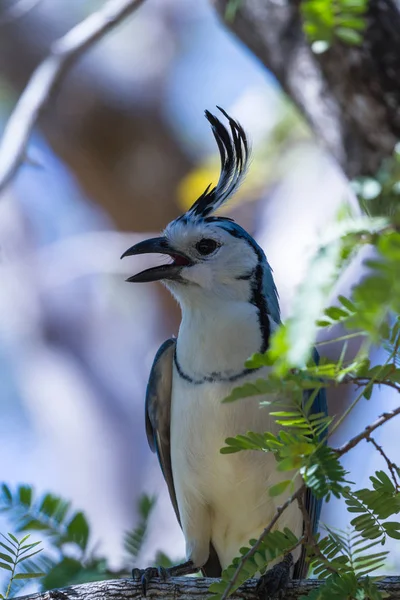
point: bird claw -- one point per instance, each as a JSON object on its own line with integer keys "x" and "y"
{"x": 274, "y": 583}
{"x": 146, "y": 575}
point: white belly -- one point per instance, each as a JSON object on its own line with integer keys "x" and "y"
{"x": 222, "y": 498}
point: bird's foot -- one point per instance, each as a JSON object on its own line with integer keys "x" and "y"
{"x": 146, "y": 575}
{"x": 273, "y": 584}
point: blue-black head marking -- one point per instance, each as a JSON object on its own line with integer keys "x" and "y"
{"x": 264, "y": 294}
{"x": 234, "y": 152}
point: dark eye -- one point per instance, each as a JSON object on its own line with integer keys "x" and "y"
{"x": 206, "y": 246}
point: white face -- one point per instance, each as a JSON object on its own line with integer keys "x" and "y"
{"x": 223, "y": 265}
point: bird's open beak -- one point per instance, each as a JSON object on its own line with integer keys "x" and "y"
{"x": 158, "y": 245}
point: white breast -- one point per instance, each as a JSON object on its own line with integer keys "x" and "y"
{"x": 222, "y": 498}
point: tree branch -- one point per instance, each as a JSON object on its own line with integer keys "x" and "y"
{"x": 363, "y": 381}
{"x": 185, "y": 588}
{"x": 391, "y": 465}
{"x": 367, "y": 431}
{"x": 64, "y": 53}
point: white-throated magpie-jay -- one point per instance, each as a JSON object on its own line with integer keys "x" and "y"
{"x": 229, "y": 302}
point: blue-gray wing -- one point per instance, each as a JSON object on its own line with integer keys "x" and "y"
{"x": 158, "y": 413}
{"x": 312, "y": 504}
{"x": 158, "y": 425}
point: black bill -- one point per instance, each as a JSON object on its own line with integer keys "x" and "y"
{"x": 158, "y": 245}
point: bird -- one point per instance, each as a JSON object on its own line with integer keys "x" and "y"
{"x": 224, "y": 285}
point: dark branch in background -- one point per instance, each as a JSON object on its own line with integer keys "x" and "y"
{"x": 349, "y": 95}
{"x": 391, "y": 465}
{"x": 48, "y": 75}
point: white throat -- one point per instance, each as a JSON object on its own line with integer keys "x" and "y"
{"x": 217, "y": 337}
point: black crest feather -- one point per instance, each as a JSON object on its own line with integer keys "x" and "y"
{"x": 234, "y": 152}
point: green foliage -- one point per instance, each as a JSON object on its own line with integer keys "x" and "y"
{"x": 50, "y": 514}
{"x": 373, "y": 507}
{"x": 71, "y": 557}
{"x": 232, "y": 6}
{"x": 290, "y": 346}
{"x": 134, "y": 540}
{"x": 345, "y": 586}
{"x": 274, "y": 545}
{"x": 298, "y": 438}
{"x": 325, "y": 21}
{"x": 341, "y": 560}
{"x": 324, "y": 474}
{"x": 13, "y": 553}
{"x": 380, "y": 195}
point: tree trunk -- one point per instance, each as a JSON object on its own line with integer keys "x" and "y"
{"x": 349, "y": 95}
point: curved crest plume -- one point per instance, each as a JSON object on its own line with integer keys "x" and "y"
{"x": 234, "y": 152}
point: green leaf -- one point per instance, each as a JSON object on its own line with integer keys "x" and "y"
{"x": 246, "y": 390}
{"x": 135, "y": 539}
{"x": 11, "y": 550}
{"x": 28, "y": 575}
{"x": 34, "y": 525}
{"x": 6, "y": 558}
{"x": 279, "y": 488}
{"x": 289, "y": 464}
{"x": 346, "y": 302}
{"x": 324, "y": 474}
{"x": 25, "y": 495}
{"x": 274, "y": 545}
{"x": 7, "y": 496}
{"x": 28, "y": 556}
{"x": 78, "y": 530}
{"x": 5, "y": 566}
{"x": 62, "y": 574}
{"x": 27, "y": 547}
{"x": 13, "y": 538}
{"x": 392, "y": 529}
{"x": 24, "y": 540}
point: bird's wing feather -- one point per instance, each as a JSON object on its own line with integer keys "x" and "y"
{"x": 158, "y": 424}
{"x": 158, "y": 413}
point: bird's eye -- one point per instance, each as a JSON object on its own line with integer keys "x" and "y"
{"x": 206, "y": 246}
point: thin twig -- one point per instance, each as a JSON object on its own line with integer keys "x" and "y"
{"x": 367, "y": 431}
{"x": 309, "y": 535}
{"x": 391, "y": 465}
{"x": 365, "y": 380}
{"x": 64, "y": 52}
{"x": 258, "y": 543}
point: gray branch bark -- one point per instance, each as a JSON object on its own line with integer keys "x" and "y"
{"x": 349, "y": 95}
{"x": 184, "y": 588}
{"x": 44, "y": 81}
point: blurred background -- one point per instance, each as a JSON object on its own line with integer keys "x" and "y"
{"x": 123, "y": 149}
